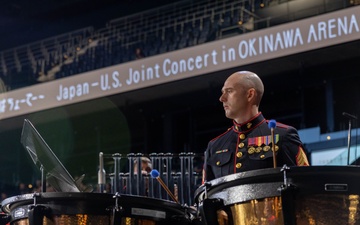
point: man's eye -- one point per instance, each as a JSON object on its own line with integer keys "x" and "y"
{"x": 227, "y": 91}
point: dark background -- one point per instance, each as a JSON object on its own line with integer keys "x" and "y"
{"x": 176, "y": 117}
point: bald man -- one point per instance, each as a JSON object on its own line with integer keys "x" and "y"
{"x": 247, "y": 144}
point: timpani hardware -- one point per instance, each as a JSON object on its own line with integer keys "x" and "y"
{"x": 322, "y": 195}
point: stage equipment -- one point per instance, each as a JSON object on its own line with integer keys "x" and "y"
{"x": 321, "y": 195}
{"x": 94, "y": 208}
{"x": 350, "y": 117}
{"x": 176, "y": 172}
{"x": 51, "y": 167}
{"x": 74, "y": 204}
{"x": 101, "y": 174}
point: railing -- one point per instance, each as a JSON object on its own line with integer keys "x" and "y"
{"x": 120, "y": 35}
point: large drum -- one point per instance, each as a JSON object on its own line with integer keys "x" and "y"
{"x": 316, "y": 195}
{"x": 93, "y": 208}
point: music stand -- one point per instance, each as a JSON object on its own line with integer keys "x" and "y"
{"x": 43, "y": 157}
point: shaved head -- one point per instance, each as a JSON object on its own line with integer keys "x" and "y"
{"x": 241, "y": 95}
{"x": 247, "y": 80}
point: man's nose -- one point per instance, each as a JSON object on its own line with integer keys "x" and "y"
{"x": 222, "y": 98}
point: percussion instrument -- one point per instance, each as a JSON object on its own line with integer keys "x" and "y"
{"x": 93, "y": 208}
{"x": 315, "y": 195}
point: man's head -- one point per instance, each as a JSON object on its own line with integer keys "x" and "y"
{"x": 146, "y": 165}
{"x": 241, "y": 95}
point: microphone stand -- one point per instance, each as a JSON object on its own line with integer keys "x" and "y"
{"x": 348, "y": 144}
{"x": 350, "y": 117}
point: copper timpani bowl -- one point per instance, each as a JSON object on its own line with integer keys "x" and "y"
{"x": 315, "y": 195}
{"x": 52, "y": 208}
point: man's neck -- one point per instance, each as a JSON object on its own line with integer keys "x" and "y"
{"x": 248, "y": 116}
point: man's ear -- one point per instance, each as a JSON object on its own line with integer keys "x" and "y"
{"x": 251, "y": 94}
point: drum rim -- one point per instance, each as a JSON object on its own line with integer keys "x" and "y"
{"x": 209, "y": 185}
{"x": 269, "y": 174}
{"x": 8, "y": 204}
{"x": 267, "y": 171}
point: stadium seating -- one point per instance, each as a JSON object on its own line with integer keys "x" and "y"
{"x": 168, "y": 28}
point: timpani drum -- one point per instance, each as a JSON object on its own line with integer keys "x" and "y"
{"x": 53, "y": 208}
{"x": 315, "y": 195}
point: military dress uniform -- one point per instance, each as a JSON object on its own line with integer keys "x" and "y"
{"x": 248, "y": 146}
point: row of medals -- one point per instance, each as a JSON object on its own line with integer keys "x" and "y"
{"x": 266, "y": 148}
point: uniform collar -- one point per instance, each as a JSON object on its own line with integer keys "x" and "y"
{"x": 250, "y": 124}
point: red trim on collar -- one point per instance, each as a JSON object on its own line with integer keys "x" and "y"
{"x": 255, "y": 118}
{"x": 242, "y": 124}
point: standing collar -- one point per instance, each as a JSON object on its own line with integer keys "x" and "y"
{"x": 250, "y": 124}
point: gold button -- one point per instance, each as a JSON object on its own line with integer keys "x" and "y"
{"x": 241, "y": 145}
{"x": 239, "y": 154}
{"x": 276, "y": 148}
{"x": 262, "y": 156}
{"x": 218, "y": 163}
{"x": 238, "y": 165}
{"x": 242, "y": 136}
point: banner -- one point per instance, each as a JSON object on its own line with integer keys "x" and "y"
{"x": 291, "y": 38}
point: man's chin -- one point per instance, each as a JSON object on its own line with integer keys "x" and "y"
{"x": 228, "y": 116}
